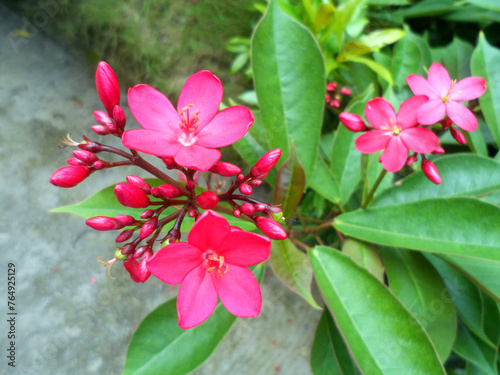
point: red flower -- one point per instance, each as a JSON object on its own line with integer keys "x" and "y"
{"x": 211, "y": 265}
{"x": 191, "y": 133}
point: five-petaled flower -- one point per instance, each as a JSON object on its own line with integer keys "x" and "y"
{"x": 445, "y": 96}
{"x": 211, "y": 265}
{"x": 191, "y": 133}
{"x": 395, "y": 134}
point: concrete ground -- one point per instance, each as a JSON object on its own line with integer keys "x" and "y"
{"x": 71, "y": 317}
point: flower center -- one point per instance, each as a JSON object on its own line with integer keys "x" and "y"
{"x": 215, "y": 263}
{"x": 396, "y": 131}
{"x": 189, "y": 124}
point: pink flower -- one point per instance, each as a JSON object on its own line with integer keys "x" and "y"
{"x": 191, "y": 133}
{"x": 445, "y": 96}
{"x": 211, "y": 265}
{"x": 395, "y": 133}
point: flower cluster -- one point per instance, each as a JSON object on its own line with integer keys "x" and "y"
{"x": 334, "y": 95}
{"x": 213, "y": 262}
{"x": 436, "y": 101}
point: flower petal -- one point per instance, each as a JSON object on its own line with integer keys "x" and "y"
{"x": 204, "y": 91}
{"x": 380, "y": 114}
{"x": 153, "y": 110}
{"x": 239, "y": 291}
{"x": 209, "y": 231}
{"x": 431, "y": 112}
{"x": 228, "y": 126}
{"x": 197, "y": 157}
{"x": 421, "y": 140}
{"x": 151, "y": 142}
{"x": 407, "y": 114}
{"x": 394, "y": 156}
{"x": 469, "y": 88}
{"x": 420, "y": 86}
{"x": 461, "y": 116}
{"x": 197, "y": 298}
{"x": 439, "y": 78}
{"x": 244, "y": 248}
{"x": 372, "y": 141}
{"x": 173, "y": 262}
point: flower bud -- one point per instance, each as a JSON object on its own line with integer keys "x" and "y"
{"x": 247, "y": 209}
{"x": 225, "y": 169}
{"x": 190, "y": 185}
{"x": 431, "y": 171}
{"x": 245, "y": 189}
{"x": 89, "y": 145}
{"x": 270, "y": 228}
{"x": 107, "y": 86}
{"x": 140, "y": 183}
{"x": 458, "y": 135}
{"x": 131, "y": 196}
{"x": 85, "y": 156}
{"x": 345, "y": 91}
{"x": 147, "y": 214}
{"x": 138, "y": 270}
{"x": 328, "y": 98}
{"x": 192, "y": 212}
{"x": 169, "y": 162}
{"x": 236, "y": 212}
{"x": 75, "y": 162}
{"x": 335, "y": 103}
{"x": 352, "y": 122}
{"x": 119, "y": 117}
{"x": 259, "y": 207}
{"x": 103, "y": 223}
{"x": 207, "y": 200}
{"x": 103, "y": 118}
{"x": 438, "y": 151}
{"x": 240, "y": 177}
{"x": 99, "y": 164}
{"x": 100, "y": 129}
{"x": 125, "y": 235}
{"x": 411, "y": 159}
{"x": 127, "y": 249}
{"x": 139, "y": 252}
{"x": 68, "y": 177}
{"x": 170, "y": 191}
{"x": 149, "y": 227}
{"x": 155, "y": 192}
{"x": 331, "y": 86}
{"x": 255, "y": 182}
{"x": 265, "y": 163}
{"x": 125, "y": 220}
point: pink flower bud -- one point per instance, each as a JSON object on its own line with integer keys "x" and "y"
{"x": 255, "y": 182}
{"x": 190, "y": 185}
{"x": 240, "y": 177}
{"x": 245, "y": 189}
{"x": 236, "y": 212}
{"x": 247, "y": 209}
{"x": 85, "y": 156}
{"x": 265, "y": 163}
{"x": 274, "y": 209}
{"x": 458, "y": 135}
{"x": 75, "y": 162}
{"x": 438, "y": 151}
{"x": 103, "y": 223}
{"x": 431, "y": 171}
{"x": 68, "y": 177}
{"x": 207, "y": 200}
{"x": 125, "y": 220}
{"x": 89, "y": 145}
{"x": 335, "y": 103}
{"x": 328, "y": 98}
{"x": 225, "y": 169}
{"x": 99, "y": 164}
{"x": 352, "y": 122}
{"x": 140, "y": 183}
{"x": 192, "y": 212}
{"x": 170, "y": 191}
{"x": 125, "y": 235}
{"x": 149, "y": 227}
{"x": 119, "y": 117}
{"x": 138, "y": 270}
{"x": 100, "y": 129}
{"x": 128, "y": 248}
{"x": 411, "y": 159}
{"x": 331, "y": 86}
{"x": 169, "y": 162}
{"x": 270, "y": 228}
{"x": 259, "y": 207}
{"x": 103, "y": 118}
{"x": 345, "y": 91}
{"x": 131, "y": 196}
{"x": 107, "y": 86}
{"x": 140, "y": 252}
{"x": 147, "y": 214}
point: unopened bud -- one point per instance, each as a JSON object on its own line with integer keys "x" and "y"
{"x": 138, "y": 270}
{"x": 255, "y": 182}
{"x": 131, "y": 196}
{"x": 265, "y": 163}
{"x": 139, "y": 252}
{"x": 335, "y": 103}
{"x": 169, "y": 162}
{"x": 128, "y": 248}
{"x": 107, "y": 86}
{"x": 125, "y": 220}
{"x": 89, "y": 145}
{"x": 345, "y": 91}
{"x": 270, "y": 228}
{"x": 100, "y": 129}
{"x": 192, "y": 212}
{"x": 438, "y": 151}
{"x": 155, "y": 192}
{"x": 190, "y": 185}
{"x": 328, "y": 98}
{"x": 245, "y": 189}
{"x": 259, "y": 207}
{"x": 431, "y": 171}
{"x": 170, "y": 191}
{"x": 99, "y": 164}
{"x": 147, "y": 214}
{"x": 85, "y": 156}
{"x": 236, "y": 212}
{"x": 125, "y": 235}
{"x": 207, "y": 200}
{"x": 458, "y": 135}
{"x": 68, "y": 177}
{"x": 75, "y": 162}
{"x": 331, "y": 86}
{"x": 119, "y": 117}
{"x": 103, "y": 118}
{"x": 411, "y": 159}
{"x": 240, "y": 177}
{"x": 352, "y": 122}
{"x": 149, "y": 227}
{"x": 103, "y": 223}
{"x": 247, "y": 209}
{"x": 225, "y": 169}
{"x": 140, "y": 183}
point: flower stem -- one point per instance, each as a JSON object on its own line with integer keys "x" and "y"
{"x": 369, "y": 197}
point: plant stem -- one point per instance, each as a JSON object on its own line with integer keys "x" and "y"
{"x": 369, "y": 197}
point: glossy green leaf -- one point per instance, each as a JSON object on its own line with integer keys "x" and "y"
{"x": 323, "y": 16}
{"x": 428, "y": 8}
{"x": 420, "y": 288}
{"x": 381, "y": 38}
{"x": 373, "y": 65}
{"x": 466, "y": 226}
{"x": 486, "y": 63}
{"x": 477, "y": 176}
{"x": 329, "y": 353}
{"x": 290, "y": 183}
{"x": 493, "y": 5}
{"x": 382, "y": 335}
{"x": 159, "y": 346}
{"x": 324, "y": 183}
{"x": 365, "y": 255}
{"x": 290, "y": 84}
{"x": 293, "y": 268}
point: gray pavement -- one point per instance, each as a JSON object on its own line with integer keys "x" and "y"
{"x": 71, "y": 317}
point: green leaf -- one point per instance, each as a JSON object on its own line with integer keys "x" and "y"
{"x": 455, "y": 226}
{"x": 159, "y": 346}
{"x": 293, "y": 268}
{"x": 323, "y": 16}
{"x": 420, "y": 288}
{"x": 477, "y": 175}
{"x": 283, "y": 54}
{"x": 382, "y": 335}
{"x": 290, "y": 183}
{"x": 376, "y": 67}
{"x": 329, "y": 353}
{"x": 486, "y": 63}
{"x": 324, "y": 183}
{"x": 486, "y": 4}
{"x": 455, "y": 57}
{"x": 366, "y": 256}
{"x": 428, "y": 8}
{"x": 381, "y": 38}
